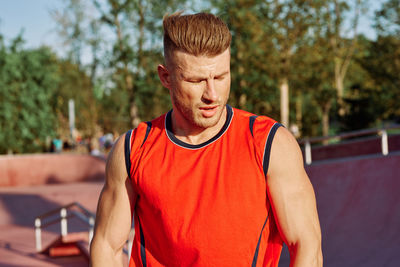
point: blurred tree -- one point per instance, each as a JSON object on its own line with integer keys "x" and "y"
{"x": 383, "y": 65}
{"x": 313, "y": 85}
{"x": 362, "y": 101}
{"x": 387, "y": 19}
{"x": 382, "y": 62}
{"x": 28, "y": 80}
{"x": 307, "y": 46}
{"x": 342, "y": 46}
{"x": 328, "y": 54}
{"x": 363, "y": 109}
{"x": 289, "y": 22}
{"x": 266, "y": 35}
{"x": 122, "y": 57}
{"x": 80, "y": 34}
{"x": 136, "y": 51}
{"x": 70, "y": 27}
{"x": 75, "y": 84}
{"x": 253, "y": 87}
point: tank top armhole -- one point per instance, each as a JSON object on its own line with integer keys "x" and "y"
{"x": 268, "y": 145}
{"x": 127, "y": 148}
{"x": 263, "y": 130}
{"x": 133, "y": 138}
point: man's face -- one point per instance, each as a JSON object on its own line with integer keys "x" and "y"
{"x": 199, "y": 88}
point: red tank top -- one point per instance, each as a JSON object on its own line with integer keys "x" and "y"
{"x": 207, "y": 204}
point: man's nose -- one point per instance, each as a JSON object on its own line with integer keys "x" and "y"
{"x": 210, "y": 94}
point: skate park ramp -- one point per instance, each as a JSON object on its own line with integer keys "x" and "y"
{"x": 20, "y": 205}
{"x": 358, "y": 201}
{"x": 31, "y": 185}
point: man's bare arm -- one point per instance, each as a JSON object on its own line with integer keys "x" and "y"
{"x": 114, "y": 212}
{"x": 293, "y": 201}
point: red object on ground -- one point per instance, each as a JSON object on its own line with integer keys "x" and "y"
{"x": 64, "y": 250}
{"x": 73, "y": 244}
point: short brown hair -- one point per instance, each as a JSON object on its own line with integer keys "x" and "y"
{"x": 197, "y": 34}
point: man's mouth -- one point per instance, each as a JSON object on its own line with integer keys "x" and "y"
{"x": 209, "y": 111}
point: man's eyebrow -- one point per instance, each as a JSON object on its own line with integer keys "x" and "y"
{"x": 222, "y": 74}
{"x": 191, "y": 76}
{"x": 197, "y": 77}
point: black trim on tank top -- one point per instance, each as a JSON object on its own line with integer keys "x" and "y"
{"x": 267, "y": 150}
{"x": 251, "y": 123}
{"x": 171, "y": 136}
{"x": 127, "y": 146}
{"x": 142, "y": 245}
{"x": 147, "y": 132}
{"x": 254, "y": 263}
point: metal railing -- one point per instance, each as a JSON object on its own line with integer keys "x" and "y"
{"x": 62, "y": 215}
{"x": 382, "y": 132}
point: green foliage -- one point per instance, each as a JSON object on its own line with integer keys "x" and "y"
{"x": 302, "y": 41}
{"x": 382, "y": 62}
{"x": 363, "y": 109}
{"x": 113, "y": 115}
{"x": 28, "y": 80}
{"x": 387, "y": 19}
{"x": 75, "y": 84}
{"x": 252, "y": 65}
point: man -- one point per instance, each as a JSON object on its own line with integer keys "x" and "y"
{"x": 208, "y": 185}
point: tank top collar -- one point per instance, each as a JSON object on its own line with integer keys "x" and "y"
{"x": 172, "y": 137}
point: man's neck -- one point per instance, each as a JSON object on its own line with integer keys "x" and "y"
{"x": 196, "y": 135}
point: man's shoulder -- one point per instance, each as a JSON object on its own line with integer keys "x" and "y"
{"x": 135, "y": 138}
{"x": 243, "y": 114}
{"x": 158, "y": 122}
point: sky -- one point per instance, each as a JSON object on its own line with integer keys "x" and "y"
{"x": 32, "y": 16}
{"x": 39, "y": 28}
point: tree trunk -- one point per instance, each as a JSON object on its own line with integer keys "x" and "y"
{"x": 325, "y": 123}
{"x": 325, "y": 119}
{"x": 343, "y": 52}
{"x": 242, "y": 101}
{"x": 339, "y": 75}
{"x": 284, "y": 90}
{"x": 299, "y": 115}
{"x": 135, "y": 120}
{"x": 340, "y": 89}
{"x": 134, "y": 115}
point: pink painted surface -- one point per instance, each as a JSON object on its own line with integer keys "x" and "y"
{"x": 358, "y": 202}
{"x": 37, "y": 169}
{"x": 19, "y": 206}
{"x": 352, "y": 148}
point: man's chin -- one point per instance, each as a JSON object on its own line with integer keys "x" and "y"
{"x": 208, "y": 122}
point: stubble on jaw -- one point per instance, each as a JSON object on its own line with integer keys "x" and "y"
{"x": 196, "y": 120}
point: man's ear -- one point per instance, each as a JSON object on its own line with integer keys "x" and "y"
{"x": 164, "y": 76}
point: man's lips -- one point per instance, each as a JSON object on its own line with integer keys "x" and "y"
{"x": 208, "y": 111}
{"x": 208, "y": 107}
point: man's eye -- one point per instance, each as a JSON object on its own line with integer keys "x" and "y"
{"x": 195, "y": 81}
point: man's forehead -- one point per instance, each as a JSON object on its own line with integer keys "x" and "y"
{"x": 185, "y": 61}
